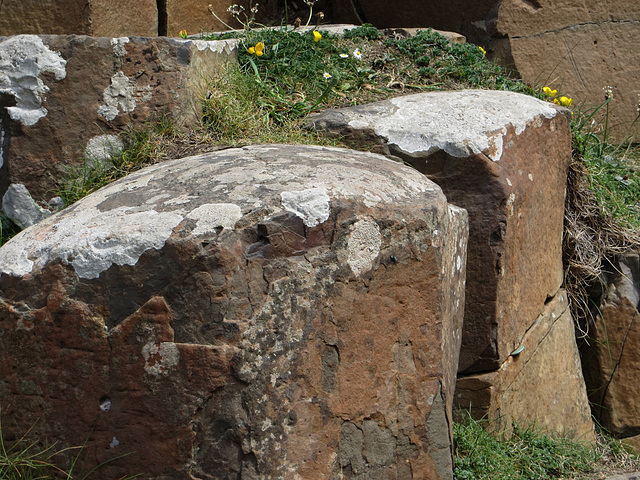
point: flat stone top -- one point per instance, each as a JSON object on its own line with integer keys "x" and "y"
{"x": 121, "y": 221}
{"x": 461, "y": 122}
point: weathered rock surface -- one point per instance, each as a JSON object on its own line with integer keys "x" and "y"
{"x": 62, "y": 94}
{"x": 264, "y": 312}
{"x": 20, "y": 208}
{"x": 543, "y": 384}
{"x": 455, "y": 15}
{"x": 195, "y": 16}
{"x": 112, "y": 18}
{"x": 578, "y": 48}
{"x": 611, "y": 356}
{"x": 503, "y": 157}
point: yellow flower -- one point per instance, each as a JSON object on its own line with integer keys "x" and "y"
{"x": 556, "y": 101}
{"x": 484, "y": 52}
{"x": 316, "y": 36}
{"x": 549, "y": 93}
{"x": 183, "y": 34}
{"x": 566, "y": 101}
{"x": 258, "y": 50}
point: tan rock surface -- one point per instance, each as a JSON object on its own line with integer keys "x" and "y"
{"x": 112, "y": 18}
{"x": 611, "y": 360}
{"x": 542, "y": 385}
{"x": 262, "y": 312}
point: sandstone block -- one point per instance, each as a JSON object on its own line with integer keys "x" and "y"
{"x": 195, "y": 16}
{"x": 542, "y": 385}
{"x": 455, "y": 15}
{"x": 264, "y": 312}
{"x": 504, "y": 158}
{"x": 578, "y": 53}
{"x": 58, "y": 94}
{"x": 112, "y": 18}
{"x": 611, "y": 355}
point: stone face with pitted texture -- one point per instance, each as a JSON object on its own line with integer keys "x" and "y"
{"x": 265, "y": 312}
{"x": 504, "y": 158}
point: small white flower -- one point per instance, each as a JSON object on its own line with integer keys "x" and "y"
{"x": 326, "y": 75}
{"x": 344, "y": 55}
{"x": 608, "y": 92}
{"x": 357, "y": 54}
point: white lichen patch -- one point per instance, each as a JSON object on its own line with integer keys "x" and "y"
{"x": 216, "y": 46}
{"x": 119, "y": 46}
{"x": 311, "y": 205}
{"x": 460, "y": 123}
{"x": 22, "y": 59}
{"x": 363, "y": 245}
{"x": 158, "y": 359}
{"x": 91, "y": 241}
{"x": 214, "y": 215}
{"x": 103, "y": 148}
{"x": 121, "y": 96}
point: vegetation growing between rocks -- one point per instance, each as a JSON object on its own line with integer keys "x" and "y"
{"x": 23, "y": 460}
{"x": 529, "y": 454}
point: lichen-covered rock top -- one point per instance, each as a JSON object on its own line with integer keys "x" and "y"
{"x": 460, "y": 123}
{"x": 213, "y": 191}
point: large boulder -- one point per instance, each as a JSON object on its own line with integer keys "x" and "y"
{"x": 545, "y": 373}
{"x": 60, "y": 95}
{"x": 264, "y": 312}
{"x": 504, "y": 158}
{"x": 577, "y": 47}
{"x": 611, "y": 352}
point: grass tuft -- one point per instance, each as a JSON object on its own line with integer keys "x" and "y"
{"x": 530, "y": 454}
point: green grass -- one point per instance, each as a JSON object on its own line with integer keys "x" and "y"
{"x": 614, "y": 169}
{"x": 143, "y": 147}
{"x": 530, "y": 454}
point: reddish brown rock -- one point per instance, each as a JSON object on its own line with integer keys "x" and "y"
{"x": 60, "y": 92}
{"x": 611, "y": 360}
{"x": 111, "y": 18}
{"x": 541, "y": 385}
{"x": 265, "y": 312}
{"x": 504, "y": 158}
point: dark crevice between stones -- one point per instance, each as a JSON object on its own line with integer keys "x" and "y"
{"x": 6, "y": 101}
{"x": 163, "y": 19}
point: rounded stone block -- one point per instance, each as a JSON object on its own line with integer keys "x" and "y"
{"x": 262, "y": 312}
